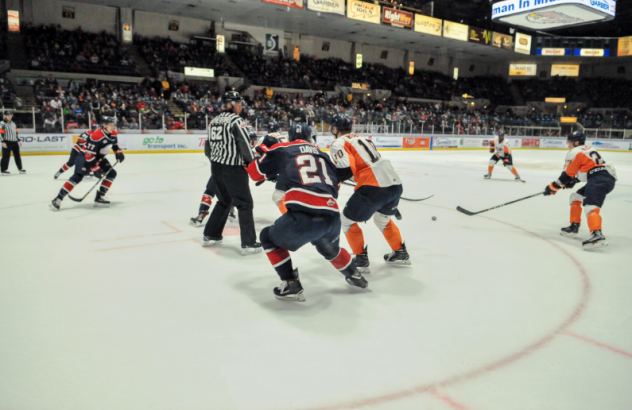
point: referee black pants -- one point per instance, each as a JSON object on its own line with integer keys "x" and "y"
{"x": 12, "y": 146}
{"x": 232, "y": 185}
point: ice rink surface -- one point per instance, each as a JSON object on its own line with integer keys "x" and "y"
{"x": 122, "y": 308}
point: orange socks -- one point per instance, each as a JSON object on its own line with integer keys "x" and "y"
{"x": 490, "y": 169}
{"x": 282, "y": 207}
{"x": 594, "y": 220}
{"x": 355, "y": 239}
{"x": 393, "y": 237}
{"x": 576, "y": 212}
{"x": 514, "y": 171}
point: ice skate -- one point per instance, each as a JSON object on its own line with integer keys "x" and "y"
{"x": 22, "y": 171}
{"x": 488, "y": 175}
{"x": 518, "y": 179}
{"x": 6, "y": 173}
{"x": 57, "y": 174}
{"x": 570, "y": 231}
{"x": 597, "y": 240}
{"x": 198, "y": 220}
{"x": 55, "y": 204}
{"x": 399, "y": 257}
{"x": 208, "y": 241}
{"x": 101, "y": 200}
{"x": 251, "y": 249}
{"x": 290, "y": 290}
{"x": 357, "y": 280}
{"x": 362, "y": 261}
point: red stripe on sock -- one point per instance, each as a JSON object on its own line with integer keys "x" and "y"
{"x": 278, "y": 255}
{"x": 206, "y": 199}
{"x": 106, "y": 183}
{"x": 342, "y": 260}
{"x": 68, "y": 186}
{"x": 64, "y": 167}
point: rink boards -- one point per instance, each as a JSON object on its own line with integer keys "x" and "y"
{"x": 45, "y": 144}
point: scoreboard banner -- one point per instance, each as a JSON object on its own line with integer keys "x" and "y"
{"x": 397, "y": 18}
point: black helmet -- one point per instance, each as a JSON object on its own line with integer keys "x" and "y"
{"x": 106, "y": 119}
{"x": 299, "y": 115}
{"x": 342, "y": 122}
{"x": 253, "y": 137}
{"x": 8, "y": 112}
{"x": 577, "y": 136}
{"x": 300, "y": 131}
{"x": 232, "y": 96}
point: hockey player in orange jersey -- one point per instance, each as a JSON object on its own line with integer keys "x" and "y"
{"x": 503, "y": 152}
{"x": 585, "y": 164}
{"x": 377, "y": 193}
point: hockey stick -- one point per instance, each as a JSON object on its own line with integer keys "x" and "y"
{"x": 405, "y": 199}
{"x": 466, "y": 212}
{"x": 95, "y": 185}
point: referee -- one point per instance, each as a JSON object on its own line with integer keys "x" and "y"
{"x": 230, "y": 153}
{"x": 10, "y": 143}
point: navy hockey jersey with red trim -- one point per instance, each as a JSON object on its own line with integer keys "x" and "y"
{"x": 308, "y": 173}
{"x": 81, "y": 141}
{"x": 97, "y": 146}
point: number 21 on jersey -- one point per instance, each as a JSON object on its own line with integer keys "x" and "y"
{"x": 308, "y": 170}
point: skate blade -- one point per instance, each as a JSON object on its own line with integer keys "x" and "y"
{"x": 247, "y": 252}
{"x": 596, "y": 245}
{"x": 97, "y": 205}
{"x": 401, "y": 263}
{"x": 52, "y": 208}
{"x": 569, "y": 235}
{"x": 231, "y": 219}
{"x": 196, "y": 224}
{"x": 211, "y": 243}
{"x": 294, "y": 298}
{"x": 364, "y": 270}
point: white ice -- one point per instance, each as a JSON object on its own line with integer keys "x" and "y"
{"x": 122, "y": 308}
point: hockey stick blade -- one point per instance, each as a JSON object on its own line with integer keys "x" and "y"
{"x": 465, "y": 211}
{"x": 94, "y": 186}
{"x": 416, "y": 200}
{"x": 469, "y": 213}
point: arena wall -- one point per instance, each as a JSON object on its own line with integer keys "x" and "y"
{"x": 154, "y": 25}
{"x": 89, "y": 17}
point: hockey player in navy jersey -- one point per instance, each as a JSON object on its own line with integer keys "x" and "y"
{"x": 76, "y": 150}
{"x": 92, "y": 158}
{"x": 312, "y": 214}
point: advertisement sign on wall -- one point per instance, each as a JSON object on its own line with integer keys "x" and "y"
{"x": 387, "y": 142}
{"x": 480, "y": 36}
{"x": 455, "y": 31}
{"x": 416, "y": 142}
{"x": 327, "y": 6}
{"x": 565, "y": 70}
{"x": 523, "y": 43}
{"x": 359, "y": 10}
{"x": 553, "y": 52}
{"x": 553, "y": 143}
{"x": 444, "y": 142}
{"x": 272, "y": 44}
{"x": 531, "y": 142}
{"x": 592, "y": 52}
{"x": 14, "y": 20}
{"x": 471, "y": 143}
{"x": 428, "y": 25}
{"x": 397, "y": 18}
{"x": 504, "y": 41}
{"x": 46, "y": 142}
{"x": 523, "y": 69}
{"x": 625, "y": 47}
{"x": 324, "y": 141}
{"x": 290, "y": 3}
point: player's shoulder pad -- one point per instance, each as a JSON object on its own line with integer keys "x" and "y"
{"x": 97, "y": 135}
{"x": 114, "y": 133}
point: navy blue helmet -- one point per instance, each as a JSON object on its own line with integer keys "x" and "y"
{"x": 106, "y": 119}
{"x": 342, "y": 122}
{"x": 274, "y": 126}
{"x": 577, "y": 136}
{"x": 300, "y": 131}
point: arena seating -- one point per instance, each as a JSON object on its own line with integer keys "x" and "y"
{"x": 55, "y": 49}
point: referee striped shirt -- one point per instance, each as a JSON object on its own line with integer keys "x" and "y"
{"x": 229, "y": 141}
{"x": 8, "y": 131}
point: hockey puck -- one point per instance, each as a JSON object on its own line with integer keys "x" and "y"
{"x": 434, "y": 218}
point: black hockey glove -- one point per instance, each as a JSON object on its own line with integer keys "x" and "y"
{"x": 552, "y": 189}
{"x": 572, "y": 183}
{"x": 120, "y": 157}
{"x": 98, "y": 173}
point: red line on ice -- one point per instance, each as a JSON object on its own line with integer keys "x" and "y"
{"x": 598, "y": 343}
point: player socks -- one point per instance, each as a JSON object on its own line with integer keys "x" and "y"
{"x": 281, "y": 206}
{"x": 576, "y": 212}
{"x": 594, "y": 220}
{"x": 355, "y": 239}
{"x": 393, "y": 236}
{"x": 514, "y": 171}
{"x": 282, "y": 262}
{"x": 205, "y": 203}
{"x": 490, "y": 169}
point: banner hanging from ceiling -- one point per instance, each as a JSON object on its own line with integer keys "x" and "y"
{"x": 298, "y": 4}
{"x": 480, "y": 36}
{"x": 397, "y": 18}
{"x": 455, "y": 31}
{"x": 428, "y": 25}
